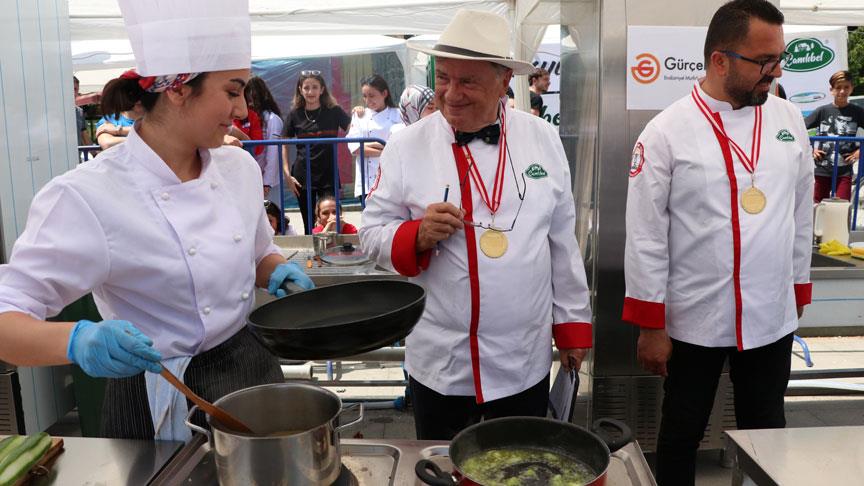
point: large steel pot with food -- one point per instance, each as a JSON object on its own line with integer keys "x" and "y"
{"x": 528, "y": 451}
{"x": 296, "y": 439}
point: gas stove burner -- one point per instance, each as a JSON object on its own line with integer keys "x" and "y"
{"x": 346, "y": 478}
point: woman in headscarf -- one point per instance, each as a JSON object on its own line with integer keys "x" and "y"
{"x": 416, "y": 102}
{"x": 174, "y": 284}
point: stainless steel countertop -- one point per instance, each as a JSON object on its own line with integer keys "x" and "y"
{"x": 805, "y": 456}
{"x": 382, "y": 462}
{"x": 86, "y": 461}
{"x": 825, "y": 273}
{"x": 298, "y": 248}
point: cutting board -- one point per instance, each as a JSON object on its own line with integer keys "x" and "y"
{"x": 43, "y": 467}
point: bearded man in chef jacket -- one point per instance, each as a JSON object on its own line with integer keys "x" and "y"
{"x": 475, "y": 203}
{"x": 719, "y": 232}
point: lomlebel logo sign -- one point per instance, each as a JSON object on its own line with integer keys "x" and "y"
{"x": 808, "y": 55}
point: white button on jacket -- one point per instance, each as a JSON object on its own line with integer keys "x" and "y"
{"x": 105, "y": 227}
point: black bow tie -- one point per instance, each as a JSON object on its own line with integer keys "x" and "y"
{"x": 488, "y": 134}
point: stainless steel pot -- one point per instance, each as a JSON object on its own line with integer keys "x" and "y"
{"x": 311, "y": 456}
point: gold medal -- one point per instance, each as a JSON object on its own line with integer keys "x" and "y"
{"x": 753, "y": 200}
{"x": 493, "y": 243}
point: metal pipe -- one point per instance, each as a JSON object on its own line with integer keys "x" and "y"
{"x": 309, "y": 209}
{"x": 297, "y": 372}
{"x": 342, "y": 383}
{"x": 362, "y": 176}
{"x": 834, "y": 172}
{"x": 823, "y": 374}
{"x": 373, "y": 404}
{"x": 397, "y": 353}
{"x": 281, "y": 189}
{"x": 337, "y": 189}
{"x": 855, "y": 197}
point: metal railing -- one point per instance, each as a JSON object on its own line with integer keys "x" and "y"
{"x": 85, "y": 150}
{"x": 306, "y": 143}
{"x": 856, "y": 188}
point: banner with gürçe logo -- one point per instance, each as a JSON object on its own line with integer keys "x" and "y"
{"x": 664, "y": 62}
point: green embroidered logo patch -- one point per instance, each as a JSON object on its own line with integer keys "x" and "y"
{"x": 784, "y": 136}
{"x": 536, "y": 171}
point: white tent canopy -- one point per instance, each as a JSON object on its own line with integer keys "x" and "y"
{"x": 97, "y": 61}
{"x": 100, "y": 19}
{"x": 95, "y": 20}
{"x": 823, "y": 12}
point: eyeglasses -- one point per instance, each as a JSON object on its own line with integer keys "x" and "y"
{"x": 313, "y": 72}
{"x": 520, "y": 191}
{"x": 767, "y": 66}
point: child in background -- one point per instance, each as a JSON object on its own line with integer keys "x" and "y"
{"x": 325, "y": 217}
{"x": 273, "y": 213}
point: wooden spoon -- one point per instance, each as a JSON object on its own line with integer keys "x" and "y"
{"x": 219, "y": 414}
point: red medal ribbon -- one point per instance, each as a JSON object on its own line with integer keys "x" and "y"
{"x": 494, "y": 202}
{"x": 749, "y": 163}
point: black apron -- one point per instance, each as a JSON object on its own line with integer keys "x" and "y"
{"x": 240, "y": 362}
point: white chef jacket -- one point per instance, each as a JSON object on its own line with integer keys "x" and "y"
{"x": 681, "y": 258}
{"x": 494, "y": 339}
{"x": 373, "y": 124}
{"x": 269, "y": 158}
{"x": 175, "y": 259}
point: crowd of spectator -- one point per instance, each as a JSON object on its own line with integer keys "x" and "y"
{"x": 314, "y": 113}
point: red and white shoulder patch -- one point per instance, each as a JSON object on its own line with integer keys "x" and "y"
{"x": 637, "y": 160}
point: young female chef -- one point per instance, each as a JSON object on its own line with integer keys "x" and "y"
{"x": 175, "y": 282}
{"x": 375, "y": 121}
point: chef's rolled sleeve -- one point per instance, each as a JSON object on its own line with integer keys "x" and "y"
{"x": 571, "y": 304}
{"x": 803, "y": 250}
{"x": 569, "y": 335}
{"x": 387, "y": 231}
{"x": 60, "y": 257}
{"x": 646, "y": 252}
{"x": 404, "y": 256}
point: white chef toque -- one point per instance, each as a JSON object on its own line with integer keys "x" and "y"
{"x": 188, "y": 36}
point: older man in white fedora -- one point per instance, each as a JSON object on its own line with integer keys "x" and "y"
{"x": 474, "y": 202}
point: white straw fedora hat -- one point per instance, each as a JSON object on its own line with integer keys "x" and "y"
{"x": 477, "y": 36}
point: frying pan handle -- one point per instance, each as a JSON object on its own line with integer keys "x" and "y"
{"x": 437, "y": 476}
{"x": 616, "y": 441}
{"x": 200, "y": 430}
{"x": 290, "y": 287}
{"x": 353, "y": 422}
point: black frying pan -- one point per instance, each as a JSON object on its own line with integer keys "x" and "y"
{"x": 339, "y": 320}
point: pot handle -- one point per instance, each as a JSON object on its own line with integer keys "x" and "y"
{"x": 200, "y": 430}
{"x": 623, "y": 437}
{"x": 291, "y": 288}
{"x": 436, "y": 478}
{"x": 353, "y": 422}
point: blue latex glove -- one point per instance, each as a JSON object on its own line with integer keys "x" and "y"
{"x": 112, "y": 349}
{"x": 291, "y": 272}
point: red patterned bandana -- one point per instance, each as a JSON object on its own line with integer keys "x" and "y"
{"x": 158, "y": 84}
